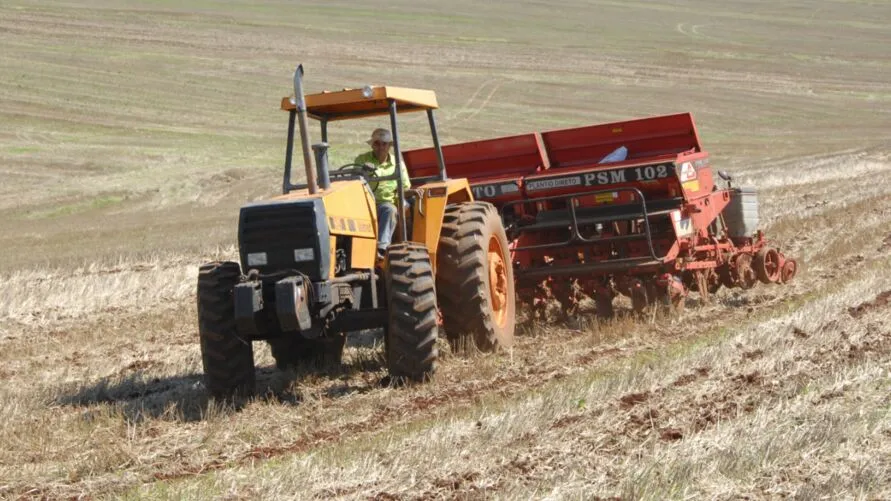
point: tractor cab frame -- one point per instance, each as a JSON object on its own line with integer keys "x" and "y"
{"x": 350, "y": 104}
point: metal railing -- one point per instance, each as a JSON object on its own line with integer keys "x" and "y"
{"x": 575, "y": 235}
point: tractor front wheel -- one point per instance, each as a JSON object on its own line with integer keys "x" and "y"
{"x": 475, "y": 278}
{"x": 412, "y": 326}
{"x": 228, "y": 360}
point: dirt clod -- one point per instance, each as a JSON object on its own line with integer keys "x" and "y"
{"x": 881, "y": 301}
{"x": 632, "y": 399}
{"x": 752, "y": 355}
{"x": 684, "y": 380}
{"x": 750, "y": 378}
{"x": 671, "y": 434}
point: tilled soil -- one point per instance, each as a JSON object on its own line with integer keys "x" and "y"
{"x": 310, "y": 410}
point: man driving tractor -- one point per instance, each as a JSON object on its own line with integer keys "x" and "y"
{"x": 381, "y": 164}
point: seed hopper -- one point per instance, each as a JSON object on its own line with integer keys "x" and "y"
{"x": 632, "y": 208}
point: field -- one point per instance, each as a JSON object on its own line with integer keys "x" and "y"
{"x": 131, "y": 132}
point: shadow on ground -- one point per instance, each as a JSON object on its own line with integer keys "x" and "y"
{"x": 140, "y": 395}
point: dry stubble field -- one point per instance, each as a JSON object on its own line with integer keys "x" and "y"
{"x": 131, "y": 132}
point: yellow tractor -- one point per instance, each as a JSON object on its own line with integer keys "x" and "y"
{"x": 310, "y": 270}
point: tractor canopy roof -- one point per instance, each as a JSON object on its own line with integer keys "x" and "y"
{"x": 360, "y": 103}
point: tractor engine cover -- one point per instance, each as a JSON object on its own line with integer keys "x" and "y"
{"x": 281, "y": 235}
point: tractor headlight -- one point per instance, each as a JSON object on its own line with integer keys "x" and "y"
{"x": 301, "y": 255}
{"x": 367, "y": 92}
{"x": 257, "y": 259}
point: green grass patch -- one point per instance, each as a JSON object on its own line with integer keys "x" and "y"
{"x": 21, "y": 150}
{"x": 93, "y": 204}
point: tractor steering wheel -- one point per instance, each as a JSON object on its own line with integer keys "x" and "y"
{"x": 356, "y": 169}
{"x": 359, "y": 167}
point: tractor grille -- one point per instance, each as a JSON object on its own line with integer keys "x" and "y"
{"x": 280, "y": 229}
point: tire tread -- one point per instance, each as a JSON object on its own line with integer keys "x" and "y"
{"x": 228, "y": 360}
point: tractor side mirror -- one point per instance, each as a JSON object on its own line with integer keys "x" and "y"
{"x": 725, "y": 176}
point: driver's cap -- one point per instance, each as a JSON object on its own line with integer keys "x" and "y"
{"x": 382, "y": 135}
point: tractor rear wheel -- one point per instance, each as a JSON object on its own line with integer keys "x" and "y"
{"x": 475, "y": 278}
{"x": 228, "y": 360}
{"x": 412, "y": 326}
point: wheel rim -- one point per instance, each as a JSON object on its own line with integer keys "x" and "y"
{"x": 769, "y": 264}
{"x": 772, "y": 264}
{"x": 497, "y": 282}
{"x": 744, "y": 271}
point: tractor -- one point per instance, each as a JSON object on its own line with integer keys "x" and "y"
{"x": 310, "y": 271}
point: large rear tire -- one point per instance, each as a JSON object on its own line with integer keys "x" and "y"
{"x": 412, "y": 326}
{"x": 228, "y": 360}
{"x": 475, "y": 278}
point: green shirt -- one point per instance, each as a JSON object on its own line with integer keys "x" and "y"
{"x": 384, "y": 191}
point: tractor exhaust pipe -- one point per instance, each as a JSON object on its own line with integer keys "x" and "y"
{"x": 321, "y": 153}
{"x": 311, "y": 181}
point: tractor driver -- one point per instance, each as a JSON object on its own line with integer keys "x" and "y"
{"x": 381, "y": 164}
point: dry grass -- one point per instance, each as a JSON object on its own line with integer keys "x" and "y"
{"x": 796, "y": 405}
{"x": 132, "y": 133}
{"x": 119, "y": 400}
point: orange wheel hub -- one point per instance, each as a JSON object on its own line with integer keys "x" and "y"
{"x": 497, "y": 281}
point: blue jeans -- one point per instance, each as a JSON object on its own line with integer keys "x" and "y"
{"x": 386, "y": 220}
